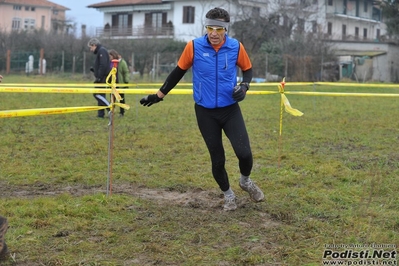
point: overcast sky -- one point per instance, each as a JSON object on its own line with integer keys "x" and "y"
{"x": 80, "y": 14}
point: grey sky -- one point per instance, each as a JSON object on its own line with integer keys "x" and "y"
{"x": 80, "y": 14}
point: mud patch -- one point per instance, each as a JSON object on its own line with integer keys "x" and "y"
{"x": 204, "y": 200}
{"x": 195, "y": 198}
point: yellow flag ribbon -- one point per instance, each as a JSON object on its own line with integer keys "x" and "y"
{"x": 112, "y": 74}
{"x": 288, "y": 108}
{"x": 285, "y": 102}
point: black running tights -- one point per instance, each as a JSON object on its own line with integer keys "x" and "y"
{"x": 211, "y": 122}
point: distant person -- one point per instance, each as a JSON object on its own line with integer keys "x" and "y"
{"x": 107, "y": 28}
{"x": 214, "y": 58}
{"x": 101, "y": 70}
{"x": 3, "y": 230}
{"x": 123, "y": 75}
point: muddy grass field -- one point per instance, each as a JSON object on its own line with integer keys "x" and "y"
{"x": 336, "y": 183}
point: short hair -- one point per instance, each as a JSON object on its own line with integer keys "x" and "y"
{"x": 93, "y": 41}
{"x": 218, "y": 13}
{"x": 114, "y": 54}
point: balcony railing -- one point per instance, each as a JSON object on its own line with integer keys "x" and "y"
{"x": 136, "y": 32}
{"x": 352, "y": 38}
{"x": 374, "y": 16}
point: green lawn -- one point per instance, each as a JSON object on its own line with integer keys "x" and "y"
{"x": 337, "y": 182}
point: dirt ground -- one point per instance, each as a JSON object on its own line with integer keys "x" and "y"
{"x": 206, "y": 201}
{"x": 197, "y": 198}
{"x": 40, "y": 189}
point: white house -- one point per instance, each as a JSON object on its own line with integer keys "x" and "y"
{"x": 181, "y": 20}
{"x": 337, "y": 19}
{"x": 354, "y": 27}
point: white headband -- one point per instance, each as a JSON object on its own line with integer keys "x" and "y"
{"x": 215, "y": 22}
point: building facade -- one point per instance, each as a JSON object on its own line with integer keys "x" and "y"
{"x": 183, "y": 20}
{"x": 180, "y": 20}
{"x": 29, "y": 15}
{"x": 354, "y": 28}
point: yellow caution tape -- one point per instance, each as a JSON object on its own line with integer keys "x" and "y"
{"x": 48, "y": 111}
{"x": 53, "y": 90}
{"x": 186, "y": 84}
{"x": 71, "y": 88}
{"x": 348, "y": 94}
{"x": 179, "y": 91}
{"x": 180, "y": 84}
{"x": 342, "y": 84}
{"x": 76, "y": 85}
{"x": 124, "y": 106}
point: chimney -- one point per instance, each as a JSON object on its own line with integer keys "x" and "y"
{"x": 83, "y": 30}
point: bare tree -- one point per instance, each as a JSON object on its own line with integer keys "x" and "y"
{"x": 278, "y": 41}
{"x": 390, "y": 11}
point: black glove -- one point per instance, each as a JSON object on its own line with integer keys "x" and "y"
{"x": 92, "y": 69}
{"x": 150, "y": 100}
{"x": 240, "y": 91}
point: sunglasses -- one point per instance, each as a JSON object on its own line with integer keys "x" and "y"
{"x": 217, "y": 29}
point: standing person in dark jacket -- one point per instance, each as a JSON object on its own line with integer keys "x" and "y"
{"x": 3, "y": 230}
{"x": 214, "y": 58}
{"x": 101, "y": 69}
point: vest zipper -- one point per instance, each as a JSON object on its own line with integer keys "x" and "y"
{"x": 217, "y": 80}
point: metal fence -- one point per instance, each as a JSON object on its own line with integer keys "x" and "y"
{"x": 58, "y": 62}
{"x": 266, "y": 67}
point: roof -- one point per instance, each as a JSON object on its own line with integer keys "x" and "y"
{"x": 359, "y": 53}
{"x": 124, "y": 3}
{"x": 43, "y": 3}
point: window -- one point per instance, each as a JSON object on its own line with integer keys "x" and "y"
{"x": 366, "y": 7}
{"x": 378, "y": 34}
{"x": 255, "y": 12}
{"x": 188, "y": 14}
{"x": 286, "y": 21}
{"x": 376, "y": 13}
{"x": 32, "y": 8}
{"x": 26, "y": 8}
{"x": 17, "y": 7}
{"x": 55, "y": 12}
{"x": 304, "y": 3}
{"x": 329, "y": 28}
{"x": 330, "y": 2}
{"x": 122, "y": 20}
{"x": 121, "y": 24}
{"x": 16, "y": 23}
{"x": 364, "y": 33}
{"x": 155, "y": 20}
{"x": 343, "y": 31}
{"x": 314, "y": 26}
{"x": 278, "y": 20}
{"x": 356, "y": 32}
{"x": 301, "y": 25}
{"x": 29, "y": 24}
